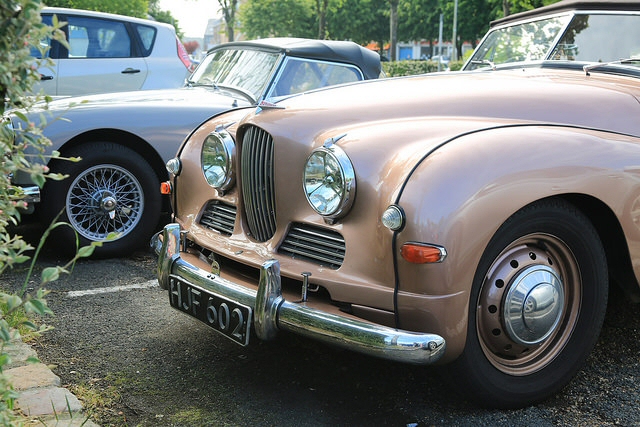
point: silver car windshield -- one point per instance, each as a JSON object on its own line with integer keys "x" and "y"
{"x": 586, "y": 38}
{"x": 245, "y": 70}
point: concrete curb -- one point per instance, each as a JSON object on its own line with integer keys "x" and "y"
{"x": 41, "y": 400}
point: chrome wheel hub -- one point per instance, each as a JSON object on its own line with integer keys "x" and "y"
{"x": 107, "y": 203}
{"x": 533, "y": 305}
{"x": 105, "y": 199}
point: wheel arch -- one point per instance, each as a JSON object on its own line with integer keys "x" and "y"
{"x": 126, "y": 139}
{"x": 613, "y": 240}
{"x": 549, "y": 234}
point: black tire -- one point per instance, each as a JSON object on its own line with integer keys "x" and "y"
{"x": 111, "y": 190}
{"x": 537, "y": 305}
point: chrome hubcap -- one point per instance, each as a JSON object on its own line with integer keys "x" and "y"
{"x": 528, "y": 304}
{"x": 108, "y": 203}
{"x": 533, "y": 305}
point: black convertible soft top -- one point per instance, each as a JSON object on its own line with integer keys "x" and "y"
{"x": 324, "y": 50}
{"x": 566, "y": 5}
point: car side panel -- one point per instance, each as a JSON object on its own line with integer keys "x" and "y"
{"x": 97, "y": 75}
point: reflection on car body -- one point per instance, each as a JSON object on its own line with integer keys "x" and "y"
{"x": 473, "y": 219}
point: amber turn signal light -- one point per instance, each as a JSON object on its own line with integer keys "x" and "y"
{"x": 422, "y": 253}
{"x": 165, "y": 187}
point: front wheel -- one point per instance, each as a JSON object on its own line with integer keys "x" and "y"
{"x": 537, "y": 304}
{"x": 112, "y": 190}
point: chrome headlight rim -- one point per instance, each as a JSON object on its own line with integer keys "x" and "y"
{"x": 227, "y": 146}
{"x": 348, "y": 181}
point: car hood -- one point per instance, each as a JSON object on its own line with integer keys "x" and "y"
{"x": 163, "y": 118}
{"x": 175, "y": 98}
{"x": 524, "y": 96}
{"x": 387, "y": 126}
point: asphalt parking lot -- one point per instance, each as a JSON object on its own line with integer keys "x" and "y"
{"x": 134, "y": 361}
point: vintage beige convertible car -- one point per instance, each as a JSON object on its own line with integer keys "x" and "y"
{"x": 474, "y": 219}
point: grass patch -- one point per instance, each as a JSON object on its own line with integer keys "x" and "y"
{"x": 101, "y": 400}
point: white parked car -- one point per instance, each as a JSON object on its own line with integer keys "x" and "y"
{"x": 111, "y": 53}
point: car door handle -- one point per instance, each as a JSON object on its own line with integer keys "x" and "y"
{"x": 43, "y": 77}
{"x": 130, "y": 71}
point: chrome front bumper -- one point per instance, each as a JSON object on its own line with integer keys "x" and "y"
{"x": 272, "y": 312}
{"x": 31, "y": 194}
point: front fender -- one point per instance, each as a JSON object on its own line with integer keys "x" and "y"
{"x": 460, "y": 195}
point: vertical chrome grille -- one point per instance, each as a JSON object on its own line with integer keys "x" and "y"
{"x": 257, "y": 183}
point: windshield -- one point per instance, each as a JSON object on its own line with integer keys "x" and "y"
{"x": 243, "y": 69}
{"x": 595, "y": 38}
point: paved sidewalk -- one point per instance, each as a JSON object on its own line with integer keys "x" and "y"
{"x": 42, "y": 400}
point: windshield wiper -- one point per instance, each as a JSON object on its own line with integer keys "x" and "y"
{"x": 192, "y": 83}
{"x": 210, "y": 83}
{"x": 246, "y": 94}
{"x": 590, "y": 67}
{"x": 491, "y": 65}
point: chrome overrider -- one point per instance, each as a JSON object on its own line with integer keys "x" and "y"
{"x": 272, "y": 312}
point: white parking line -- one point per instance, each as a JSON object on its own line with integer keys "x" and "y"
{"x": 144, "y": 285}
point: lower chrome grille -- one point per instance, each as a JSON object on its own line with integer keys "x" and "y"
{"x": 219, "y": 216}
{"x": 315, "y": 244}
{"x": 258, "y": 184}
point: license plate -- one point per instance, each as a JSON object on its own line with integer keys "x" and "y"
{"x": 231, "y": 319}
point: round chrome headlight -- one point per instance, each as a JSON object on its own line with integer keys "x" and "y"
{"x": 329, "y": 181}
{"x": 217, "y": 159}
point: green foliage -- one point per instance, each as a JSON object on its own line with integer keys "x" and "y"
{"x": 361, "y": 21}
{"x": 228, "y": 9}
{"x": 456, "y": 65}
{"x": 21, "y": 30}
{"x": 408, "y": 68}
{"x": 278, "y": 18}
{"x": 137, "y": 8}
{"x": 364, "y": 21}
{"x": 164, "y": 16}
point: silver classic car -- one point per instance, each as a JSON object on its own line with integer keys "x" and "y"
{"x": 472, "y": 219}
{"x": 125, "y": 138}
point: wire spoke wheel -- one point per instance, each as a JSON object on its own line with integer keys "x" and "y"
{"x": 105, "y": 199}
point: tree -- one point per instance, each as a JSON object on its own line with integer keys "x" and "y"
{"x": 509, "y": 7}
{"x": 393, "y": 27}
{"x": 137, "y": 8}
{"x": 321, "y": 9}
{"x": 277, "y": 18}
{"x": 191, "y": 46}
{"x": 473, "y": 21}
{"x": 228, "y": 9}
{"x": 420, "y": 20}
{"x": 164, "y": 16}
{"x": 362, "y": 21}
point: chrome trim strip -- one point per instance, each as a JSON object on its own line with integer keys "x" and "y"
{"x": 273, "y": 312}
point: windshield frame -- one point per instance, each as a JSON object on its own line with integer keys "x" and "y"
{"x": 477, "y": 61}
{"x": 265, "y": 84}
